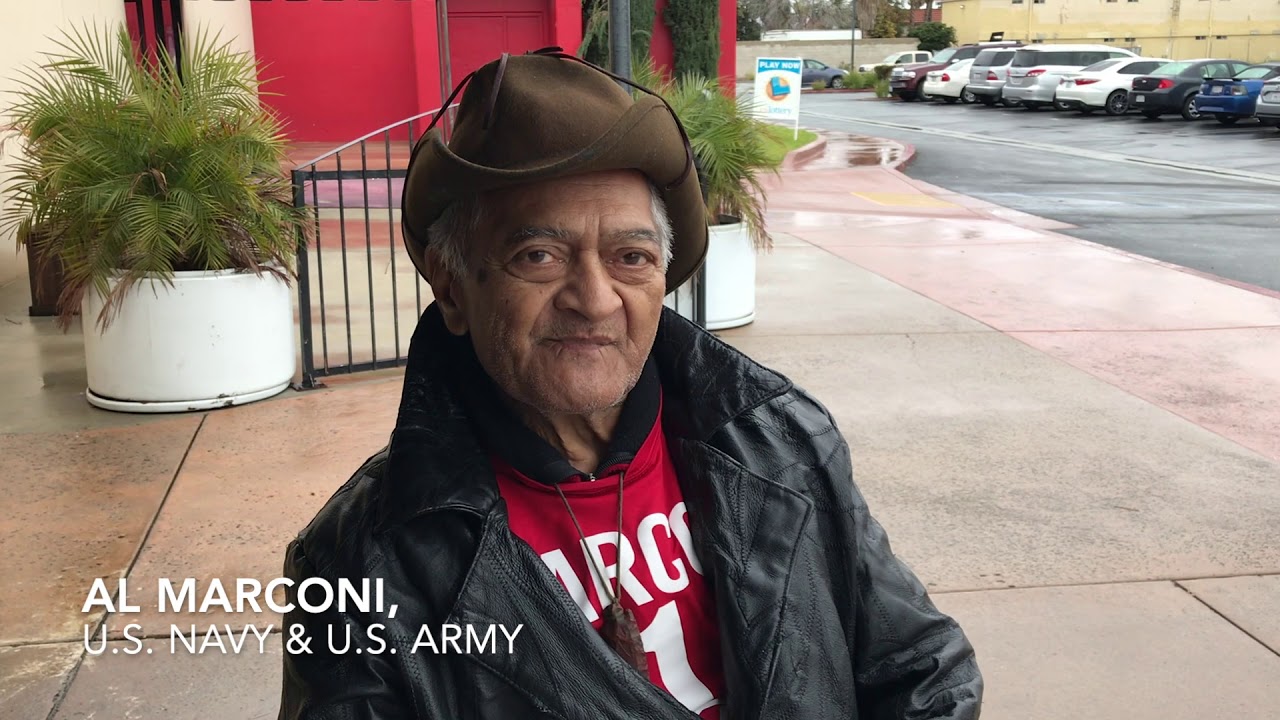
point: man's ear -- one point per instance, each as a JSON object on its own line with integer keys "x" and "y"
{"x": 448, "y": 292}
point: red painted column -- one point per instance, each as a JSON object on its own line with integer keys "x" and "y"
{"x": 566, "y": 24}
{"x": 660, "y": 47}
{"x": 728, "y": 43}
{"x": 426, "y": 58}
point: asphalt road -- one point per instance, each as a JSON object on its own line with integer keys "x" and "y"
{"x": 1197, "y": 194}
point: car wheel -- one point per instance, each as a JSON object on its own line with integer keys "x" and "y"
{"x": 1189, "y": 111}
{"x": 1060, "y": 106}
{"x": 837, "y": 82}
{"x": 967, "y": 97}
{"x": 923, "y": 96}
{"x": 1117, "y": 103}
{"x": 1227, "y": 119}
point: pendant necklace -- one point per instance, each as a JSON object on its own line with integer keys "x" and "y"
{"x": 619, "y": 629}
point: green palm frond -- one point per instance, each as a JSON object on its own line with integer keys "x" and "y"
{"x": 732, "y": 145}
{"x": 132, "y": 171}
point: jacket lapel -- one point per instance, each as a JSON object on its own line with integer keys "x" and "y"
{"x": 747, "y": 529}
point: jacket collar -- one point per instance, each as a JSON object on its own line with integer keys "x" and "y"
{"x": 434, "y": 463}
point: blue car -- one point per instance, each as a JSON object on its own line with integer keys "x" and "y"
{"x": 1228, "y": 100}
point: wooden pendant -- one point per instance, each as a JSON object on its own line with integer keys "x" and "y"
{"x": 620, "y": 633}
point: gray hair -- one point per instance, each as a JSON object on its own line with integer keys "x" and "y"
{"x": 449, "y": 234}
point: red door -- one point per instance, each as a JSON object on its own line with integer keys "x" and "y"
{"x": 481, "y": 30}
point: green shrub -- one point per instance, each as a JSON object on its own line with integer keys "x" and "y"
{"x": 862, "y": 81}
{"x": 882, "y": 89}
{"x": 882, "y": 72}
{"x": 819, "y": 85}
{"x": 695, "y": 36}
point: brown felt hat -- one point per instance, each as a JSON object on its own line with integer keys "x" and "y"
{"x": 545, "y": 115}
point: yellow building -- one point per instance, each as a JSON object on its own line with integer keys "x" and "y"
{"x": 1178, "y": 29}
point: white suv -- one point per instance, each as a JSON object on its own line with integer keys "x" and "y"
{"x": 1036, "y": 69}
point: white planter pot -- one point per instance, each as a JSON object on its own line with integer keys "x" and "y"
{"x": 212, "y": 339}
{"x": 731, "y": 277}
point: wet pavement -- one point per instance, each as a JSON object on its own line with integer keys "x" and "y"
{"x": 1075, "y": 172}
{"x": 1029, "y": 413}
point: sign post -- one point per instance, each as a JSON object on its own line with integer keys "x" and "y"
{"x": 777, "y": 95}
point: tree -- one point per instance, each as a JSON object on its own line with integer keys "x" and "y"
{"x": 748, "y": 26}
{"x": 934, "y": 36}
{"x": 695, "y": 36}
{"x": 889, "y": 19}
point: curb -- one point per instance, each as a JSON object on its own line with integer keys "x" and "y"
{"x": 908, "y": 155}
{"x": 797, "y": 158}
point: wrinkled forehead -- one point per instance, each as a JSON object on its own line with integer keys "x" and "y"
{"x": 610, "y": 199}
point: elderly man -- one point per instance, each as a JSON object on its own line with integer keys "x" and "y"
{"x": 661, "y": 527}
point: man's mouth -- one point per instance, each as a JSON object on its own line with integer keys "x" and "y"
{"x": 584, "y": 340}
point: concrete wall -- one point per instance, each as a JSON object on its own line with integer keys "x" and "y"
{"x": 831, "y": 53}
{"x": 1239, "y": 29}
{"x": 230, "y": 20}
{"x": 24, "y": 36}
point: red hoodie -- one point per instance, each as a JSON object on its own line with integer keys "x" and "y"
{"x": 662, "y": 580}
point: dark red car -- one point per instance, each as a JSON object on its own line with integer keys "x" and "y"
{"x": 907, "y": 81}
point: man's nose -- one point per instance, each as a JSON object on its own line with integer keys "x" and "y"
{"x": 589, "y": 289}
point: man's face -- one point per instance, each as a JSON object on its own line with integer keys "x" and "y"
{"x": 563, "y": 290}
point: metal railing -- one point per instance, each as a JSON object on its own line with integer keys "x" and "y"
{"x": 354, "y": 286}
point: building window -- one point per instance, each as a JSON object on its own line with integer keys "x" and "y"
{"x": 1202, "y": 37}
{"x": 1219, "y": 37}
{"x": 1130, "y": 39}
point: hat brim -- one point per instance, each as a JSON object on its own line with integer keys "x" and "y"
{"x": 641, "y": 140}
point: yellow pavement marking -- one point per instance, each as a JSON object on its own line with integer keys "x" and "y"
{"x": 904, "y": 199}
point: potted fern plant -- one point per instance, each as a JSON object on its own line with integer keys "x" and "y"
{"x": 732, "y": 147}
{"x": 163, "y": 197}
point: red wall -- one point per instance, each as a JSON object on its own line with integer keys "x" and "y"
{"x": 344, "y": 69}
{"x": 340, "y": 67}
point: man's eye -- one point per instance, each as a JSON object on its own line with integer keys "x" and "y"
{"x": 537, "y": 257}
{"x": 635, "y": 258}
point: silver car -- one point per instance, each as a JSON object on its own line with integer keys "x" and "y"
{"x": 1268, "y": 108}
{"x": 1036, "y": 70}
{"x": 989, "y": 73}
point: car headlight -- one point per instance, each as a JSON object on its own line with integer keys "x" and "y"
{"x": 908, "y": 74}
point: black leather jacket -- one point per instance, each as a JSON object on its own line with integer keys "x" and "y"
{"x": 817, "y": 617}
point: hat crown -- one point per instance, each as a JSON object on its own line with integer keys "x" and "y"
{"x": 544, "y": 109}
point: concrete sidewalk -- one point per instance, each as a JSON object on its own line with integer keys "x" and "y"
{"x": 1075, "y": 448}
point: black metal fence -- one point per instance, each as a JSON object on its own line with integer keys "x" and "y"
{"x": 359, "y": 298}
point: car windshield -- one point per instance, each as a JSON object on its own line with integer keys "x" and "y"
{"x": 1100, "y": 66}
{"x": 944, "y": 56}
{"x": 1255, "y": 73}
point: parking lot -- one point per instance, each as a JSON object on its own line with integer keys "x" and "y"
{"x": 1198, "y": 194}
